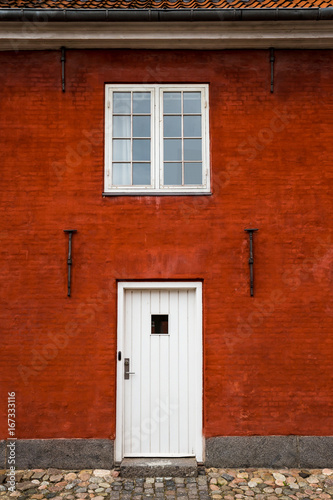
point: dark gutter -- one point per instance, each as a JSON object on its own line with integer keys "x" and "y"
{"x": 164, "y": 15}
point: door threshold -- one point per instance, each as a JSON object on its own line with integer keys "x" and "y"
{"x": 159, "y": 467}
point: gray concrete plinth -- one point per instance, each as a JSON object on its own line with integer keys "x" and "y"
{"x": 316, "y": 451}
{"x": 252, "y": 451}
{"x": 61, "y": 453}
{"x": 270, "y": 451}
{"x": 158, "y": 467}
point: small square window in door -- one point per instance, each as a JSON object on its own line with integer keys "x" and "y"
{"x": 159, "y": 324}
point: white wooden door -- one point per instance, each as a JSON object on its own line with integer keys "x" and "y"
{"x": 161, "y": 348}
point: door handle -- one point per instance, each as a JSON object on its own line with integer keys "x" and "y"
{"x": 127, "y": 373}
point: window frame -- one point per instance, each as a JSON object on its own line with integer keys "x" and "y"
{"x": 157, "y": 161}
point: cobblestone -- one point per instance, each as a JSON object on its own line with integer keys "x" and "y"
{"x": 215, "y": 484}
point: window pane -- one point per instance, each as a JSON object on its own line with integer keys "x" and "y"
{"x": 141, "y": 102}
{"x": 159, "y": 323}
{"x": 141, "y": 149}
{"x": 192, "y": 126}
{"x": 173, "y": 149}
{"x": 141, "y": 174}
{"x": 121, "y": 174}
{"x": 141, "y": 126}
{"x": 121, "y": 150}
{"x": 172, "y": 174}
{"x": 172, "y": 102}
{"x": 122, "y": 102}
{"x": 121, "y": 126}
{"x": 172, "y": 126}
{"x": 192, "y": 173}
{"x": 192, "y": 149}
{"x": 192, "y": 102}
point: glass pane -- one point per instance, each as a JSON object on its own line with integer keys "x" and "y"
{"x": 121, "y": 126}
{"x": 122, "y": 102}
{"x": 192, "y": 149}
{"x": 172, "y": 126}
{"x": 192, "y": 126}
{"x": 173, "y": 149}
{"x": 141, "y": 102}
{"x": 192, "y": 102}
{"x": 172, "y": 174}
{"x": 159, "y": 323}
{"x": 141, "y": 149}
{"x": 121, "y": 174}
{"x": 172, "y": 102}
{"x": 192, "y": 173}
{"x": 141, "y": 174}
{"x": 141, "y": 126}
{"x": 121, "y": 150}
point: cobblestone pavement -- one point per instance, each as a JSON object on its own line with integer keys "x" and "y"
{"x": 228, "y": 484}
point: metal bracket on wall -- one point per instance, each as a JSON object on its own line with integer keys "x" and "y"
{"x": 63, "y": 60}
{"x": 251, "y": 231}
{"x": 272, "y": 59}
{"x": 70, "y": 233}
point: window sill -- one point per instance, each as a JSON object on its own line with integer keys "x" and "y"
{"x": 157, "y": 193}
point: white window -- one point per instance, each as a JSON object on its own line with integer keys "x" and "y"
{"x": 156, "y": 139}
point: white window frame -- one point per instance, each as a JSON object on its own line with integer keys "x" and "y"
{"x": 157, "y": 187}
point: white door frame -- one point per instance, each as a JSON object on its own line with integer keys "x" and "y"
{"x": 197, "y": 339}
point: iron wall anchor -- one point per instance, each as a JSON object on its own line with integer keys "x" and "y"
{"x": 63, "y": 60}
{"x": 272, "y": 59}
{"x": 69, "y": 259}
{"x": 251, "y": 231}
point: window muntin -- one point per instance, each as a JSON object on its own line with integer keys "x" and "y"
{"x": 156, "y": 139}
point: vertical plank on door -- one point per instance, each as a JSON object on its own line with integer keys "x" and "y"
{"x": 128, "y": 385}
{"x": 145, "y": 375}
{"x": 183, "y": 372}
{"x": 155, "y": 378}
{"x": 135, "y": 366}
{"x": 164, "y": 378}
{"x": 174, "y": 372}
{"x": 191, "y": 367}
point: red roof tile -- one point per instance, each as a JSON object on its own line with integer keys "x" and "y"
{"x": 163, "y": 4}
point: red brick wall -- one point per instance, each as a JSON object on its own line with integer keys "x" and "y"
{"x": 267, "y": 359}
